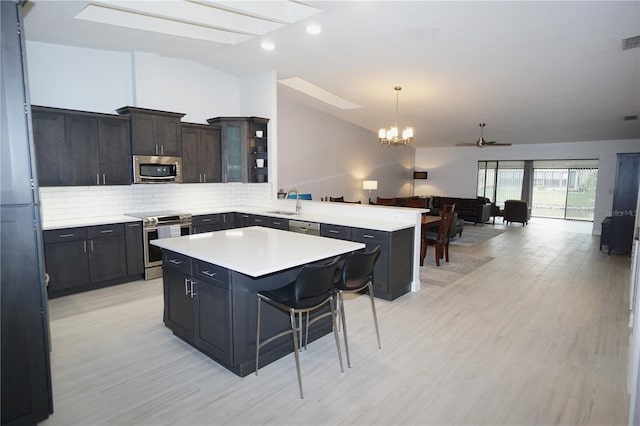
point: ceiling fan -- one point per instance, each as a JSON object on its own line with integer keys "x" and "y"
{"x": 482, "y": 142}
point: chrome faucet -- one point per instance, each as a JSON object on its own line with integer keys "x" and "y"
{"x": 298, "y": 205}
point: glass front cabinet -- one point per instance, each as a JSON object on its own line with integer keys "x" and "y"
{"x": 244, "y": 148}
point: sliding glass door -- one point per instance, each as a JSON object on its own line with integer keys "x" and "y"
{"x": 562, "y": 189}
{"x": 500, "y": 180}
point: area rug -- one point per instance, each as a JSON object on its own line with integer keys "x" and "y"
{"x": 459, "y": 265}
{"x": 474, "y": 234}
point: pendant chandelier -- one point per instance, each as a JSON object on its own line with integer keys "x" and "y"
{"x": 390, "y": 136}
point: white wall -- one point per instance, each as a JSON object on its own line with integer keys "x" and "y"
{"x": 325, "y": 156}
{"x": 178, "y": 85}
{"x": 78, "y": 78}
{"x": 453, "y": 171}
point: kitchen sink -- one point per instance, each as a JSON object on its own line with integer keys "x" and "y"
{"x": 284, "y": 213}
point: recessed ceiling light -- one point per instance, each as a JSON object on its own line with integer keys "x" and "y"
{"x": 314, "y": 29}
{"x": 267, "y": 45}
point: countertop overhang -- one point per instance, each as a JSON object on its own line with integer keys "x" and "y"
{"x": 256, "y": 251}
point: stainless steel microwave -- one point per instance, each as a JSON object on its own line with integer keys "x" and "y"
{"x": 157, "y": 169}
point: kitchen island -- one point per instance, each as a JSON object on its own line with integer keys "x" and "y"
{"x": 210, "y": 283}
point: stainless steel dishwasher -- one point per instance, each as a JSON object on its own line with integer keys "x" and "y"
{"x": 302, "y": 227}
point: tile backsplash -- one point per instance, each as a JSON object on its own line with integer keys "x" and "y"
{"x": 62, "y": 203}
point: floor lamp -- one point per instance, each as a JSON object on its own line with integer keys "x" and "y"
{"x": 371, "y": 185}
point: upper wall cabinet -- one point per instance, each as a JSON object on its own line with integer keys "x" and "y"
{"x": 80, "y": 148}
{"x": 200, "y": 153}
{"x": 243, "y": 148}
{"x": 154, "y": 132}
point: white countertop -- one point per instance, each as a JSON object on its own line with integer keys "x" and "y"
{"x": 86, "y": 221}
{"x": 257, "y": 251}
{"x": 353, "y": 221}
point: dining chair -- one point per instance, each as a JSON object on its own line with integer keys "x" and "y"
{"x": 313, "y": 288}
{"x": 356, "y": 276}
{"x": 439, "y": 239}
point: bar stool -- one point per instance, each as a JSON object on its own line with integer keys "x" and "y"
{"x": 357, "y": 275}
{"x": 312, "y": 288}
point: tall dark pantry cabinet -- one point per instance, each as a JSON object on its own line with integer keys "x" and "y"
{"x": 26, "y": 373}
{"x": 625, "y": 196}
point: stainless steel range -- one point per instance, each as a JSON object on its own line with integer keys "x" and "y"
{"x": 160, "y": 225}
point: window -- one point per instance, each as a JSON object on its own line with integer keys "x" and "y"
{"x": 500, "y": 180}
{"x": 563, "y": 189}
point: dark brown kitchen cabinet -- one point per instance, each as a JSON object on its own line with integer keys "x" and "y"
{"x": 135, "y": 249}
{"x": 211, "y": 222}
{"x": 107, "y": 252}
{"x": 200, "y": 153}
{"x": 114, "y": 151}
{"x": 49, "y": 138}
{"x": 197, "y": 304}
{"x": 213, "y": 322}
{"x": 338, "y": 232}
{"x": 241, "y": 147}
{"x": 178, "y": 303}
{"x": 77, "y": 148}
{"x": 154, "y": 132}
{"x": 66, "y": 258}
{"x": 26, "y": 394}
{"x": 393, "y": 271}
{"x": 79, "y": 259}
{"x": 269, "y": 222}
{"x": 242, "y": 220}
{"x": 625, "y": 198}
{"x": 82, "y": 149}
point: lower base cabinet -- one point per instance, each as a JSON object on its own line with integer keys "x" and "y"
{"x": 214, "y": 310}
{"x": 393, "y": 272}
{"x": 212, "y": 222}
{"x": 79, "y": 259}
{"x": 197, "y": 306}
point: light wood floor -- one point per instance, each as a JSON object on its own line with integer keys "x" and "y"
{"x": 538, "y": 336}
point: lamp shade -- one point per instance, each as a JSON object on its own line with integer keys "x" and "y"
{"x": 371, "y": 185}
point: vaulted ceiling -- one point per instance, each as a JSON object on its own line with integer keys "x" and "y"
{"x": 535, "y": 72}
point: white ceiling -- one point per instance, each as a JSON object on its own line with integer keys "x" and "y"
{"x": 535, "y": 72}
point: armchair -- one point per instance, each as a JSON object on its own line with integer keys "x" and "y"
{"x": 516, "y": 211}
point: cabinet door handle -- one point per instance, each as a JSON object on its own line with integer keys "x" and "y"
{"x": 156, "y": 149}
{"x": 66, "y": 235}
{"x": 106, "y": 231}
{"x": 134, "y": 225}
{"x": 257, "y": 220}
{"x": 175, "y": 262}
{"x": 205, "y": 178}
{"x": 333, "y": 231}
{"x": 367, "y": 236}
{"x": 186, "y": 286}
{"x": 206, "y": 220}
{"x": 91, "y": 242}
{"x": 161, "y": 149}
{"x": 97, "y": 178}
{"x": 84, "y": 246}
{"x": 276, "y": 223}
{"x": 193, "y": 291}
{"x": 209, "y": 274}
{"x": 104, "y": 178}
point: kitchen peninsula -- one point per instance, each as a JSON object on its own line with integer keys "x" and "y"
{"x": 210, "y": 284}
